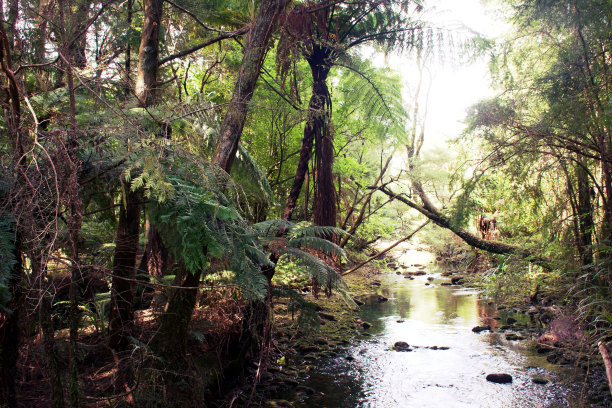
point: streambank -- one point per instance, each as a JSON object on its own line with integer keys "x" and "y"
{"x": 419, "y": 349}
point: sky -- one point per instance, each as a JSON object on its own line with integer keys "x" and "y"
{"x": 454, "y": 88}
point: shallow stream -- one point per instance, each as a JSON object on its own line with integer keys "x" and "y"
{"x": 424, "y": 313}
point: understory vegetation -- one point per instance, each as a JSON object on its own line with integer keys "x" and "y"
{"x": 171, "y": 169}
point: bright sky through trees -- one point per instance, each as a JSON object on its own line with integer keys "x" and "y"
{"x": 453, "y": 88}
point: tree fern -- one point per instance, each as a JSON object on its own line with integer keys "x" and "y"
{"x": 298, "y": 242}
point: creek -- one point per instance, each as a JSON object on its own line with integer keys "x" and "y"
{"x": 424, "y": 313}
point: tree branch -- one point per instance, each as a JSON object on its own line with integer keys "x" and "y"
{"x": 439, "y": 219}
{"x": 206, "y": 43}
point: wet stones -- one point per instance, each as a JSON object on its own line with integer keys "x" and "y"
{"x": 499, "y": 378}
{"x": 539, "y": 379}
{"x": 479, "y": 329}
{"x": 364, "y": 325}
{"x": 457, "y": 280}
{"x": 514, "y": 337}
{"x": 401, "y": 346}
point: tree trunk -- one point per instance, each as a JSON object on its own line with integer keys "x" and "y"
{"x": 148, "y": 54}
{"x": 252, "y": 60}
{"x": 171, "y": 340}
{"x": 585, "y": 214}
{"x": 302, "y": 168}
{"x": 324, "y": 202}
{"x": 128, "y": 52}
{"x": 9, "y": 333}
{"x": 121, "y": 318}
{"x": 45, "y": 322}
{"x": 155, "y": 259}
{"x": 317, "y": 129}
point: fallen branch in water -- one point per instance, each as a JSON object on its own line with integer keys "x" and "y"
{"x": 384, "y": 251}
{"x": 431, "y": 212}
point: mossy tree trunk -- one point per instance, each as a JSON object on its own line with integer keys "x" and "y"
{"x": 121, "y": 319}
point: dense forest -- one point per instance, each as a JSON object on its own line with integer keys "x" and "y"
{"x": 171, "y": 168}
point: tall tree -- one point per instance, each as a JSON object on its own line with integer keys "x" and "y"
{"x": 324, "y": 32}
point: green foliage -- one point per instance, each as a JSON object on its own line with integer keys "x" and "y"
{"x": 198, "y": 219}
{"x": 295, "y": 245}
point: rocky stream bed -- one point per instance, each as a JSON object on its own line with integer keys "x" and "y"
{"x": 418, "y": 336}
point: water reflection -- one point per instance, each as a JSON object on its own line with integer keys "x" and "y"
{"x": 372, "y": 375}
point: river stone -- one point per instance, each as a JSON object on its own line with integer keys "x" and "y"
{"x": 401, "y": 346}
{"x": 499, "y": 378}
{"x": 363, "y": 324}
{"x": 513, "y": 336}
{"x": 478, "y": 329}
{"x": 539, "y": 379}
{"x": 381, "y": 299}
{"x": 457, "y": 280}
{"x": 430, "y": 278}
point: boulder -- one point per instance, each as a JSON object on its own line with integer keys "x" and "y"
{"x": 499, "y": 378}
{"x": 513, "y": 336}
{"x": 363, "y": 324}
{"x": 457, "y": 280}
{"x": 401, "y": 346}
{"x": 478, "y": 329}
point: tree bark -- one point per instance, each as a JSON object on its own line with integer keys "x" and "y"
{"x": 10, "y": 333}
{"x": 605, "y": 354}
{"x": 148, "y": 53}
{"x": 316, "y": 129}
{"x": 248, "y": 74}
{"x": 324, "y": 202}
{"x": 121, "y": 318}
{"x": 171, "y": 340}
{"x": 585, "y": 214}
{"x": 45, "y": 323}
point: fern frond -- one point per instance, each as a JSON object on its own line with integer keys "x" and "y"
{"x": 270, "y": 228}
{"x": 319, "y": 245}
{"x": 307, "y": 229}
